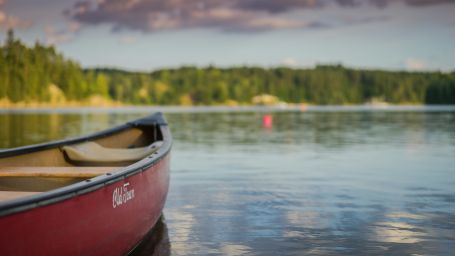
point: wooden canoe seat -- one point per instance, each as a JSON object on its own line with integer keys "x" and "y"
{"x": 54, "y": 172}
{"x": 93, "y": 154}
{"x": 10, "y": 195}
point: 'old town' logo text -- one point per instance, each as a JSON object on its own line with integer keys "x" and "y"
{"x": 122, "y": 195}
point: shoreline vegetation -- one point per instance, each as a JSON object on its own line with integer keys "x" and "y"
{"x": 38, "y": 77}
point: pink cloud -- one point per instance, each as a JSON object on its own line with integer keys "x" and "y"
{"x": 414, "y": 64}
{"x": 9, "y": 21}
{"x": 61, "y": 35}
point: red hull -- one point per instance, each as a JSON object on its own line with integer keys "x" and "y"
{"x": 108, "y": 221}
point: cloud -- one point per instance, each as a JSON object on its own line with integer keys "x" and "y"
{"x": 62, "y": 34}
{"x": 428, "y": 2}
{"x": 225, "y": 15}
{"x": 278, "y": 6}
{"x": 128, "y": 39}
{"x": 289, "y": 62}
{"x": 9, "y": 21}
{"x": 416, "y": 3}
{"x": 413, "y": 64}
{"x": 158, "y": 15}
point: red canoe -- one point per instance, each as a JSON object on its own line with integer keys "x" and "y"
{"x": 95, "y": 195}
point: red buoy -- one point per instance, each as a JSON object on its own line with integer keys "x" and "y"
{"x": 267, "y": 121}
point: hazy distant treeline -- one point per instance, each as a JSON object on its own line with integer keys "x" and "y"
{"x": 41, "y": 74}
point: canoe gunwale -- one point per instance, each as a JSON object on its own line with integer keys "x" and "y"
{"x": 92, "y": 184}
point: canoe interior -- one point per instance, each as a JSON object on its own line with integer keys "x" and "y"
{"x": 32, "y": 171}
{"x": 129, "y": 138}
{"x": 34, "y": 184}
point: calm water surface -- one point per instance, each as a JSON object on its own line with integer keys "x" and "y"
{"x": 325, "y": 182}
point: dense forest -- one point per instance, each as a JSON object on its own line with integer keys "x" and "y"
{"x": 40, "y": 74}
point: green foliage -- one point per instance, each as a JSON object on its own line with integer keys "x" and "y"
{"x": 27, "y": 73}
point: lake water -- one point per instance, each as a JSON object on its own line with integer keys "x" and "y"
{"x": 327, "y": 181}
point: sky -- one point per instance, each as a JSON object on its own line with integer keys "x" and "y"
{"x": 152, "y": 34}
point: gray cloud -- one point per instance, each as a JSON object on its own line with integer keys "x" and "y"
{"x": 226, "y": 15}
{"x": 278, "y": 6}
{"x": 156, "y": 15}
{"x": 428, "y": 2}
{"x": 417, "y": 3}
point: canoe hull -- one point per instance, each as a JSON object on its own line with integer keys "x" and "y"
{"x": 110, "y": 220}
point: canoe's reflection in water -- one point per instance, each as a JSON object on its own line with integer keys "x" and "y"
{"x": 156, "y": 242}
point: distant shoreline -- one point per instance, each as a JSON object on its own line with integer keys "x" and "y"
{"x": 228, "y": 109}
{"x": 38, "y": 76}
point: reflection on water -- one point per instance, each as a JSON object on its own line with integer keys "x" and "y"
{"x": 156, "y": 243}
{"x": 397, "y": 232}
{"x": 318, "y": 183}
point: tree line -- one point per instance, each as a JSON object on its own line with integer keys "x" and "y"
{"x": 34, "y": 74}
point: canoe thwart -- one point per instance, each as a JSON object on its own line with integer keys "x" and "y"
{"x": 92, "y": 153}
